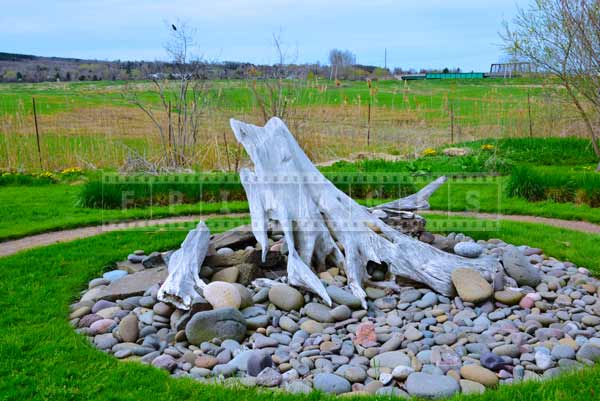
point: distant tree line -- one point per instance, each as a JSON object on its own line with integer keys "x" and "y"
{"x": 342, "y": 65}
{"x": 27, "y": 68}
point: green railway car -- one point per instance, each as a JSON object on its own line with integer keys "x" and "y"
{"x": 457, "y": 75}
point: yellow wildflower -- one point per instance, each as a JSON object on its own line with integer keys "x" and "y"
{"x": 487, "y": 146}
{"x": 429, "y": 152}
{"x": 72, "y": 170}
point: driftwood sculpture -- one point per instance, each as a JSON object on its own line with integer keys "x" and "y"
{"x": 322, "y": 225}
{"x": 183, "y": 284}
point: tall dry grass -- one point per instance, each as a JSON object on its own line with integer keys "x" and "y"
{"x": 103, "y": 136}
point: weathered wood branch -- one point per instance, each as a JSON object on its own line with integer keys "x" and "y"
{"x": 183, "y": 283}
{"x": 418, "y": 201}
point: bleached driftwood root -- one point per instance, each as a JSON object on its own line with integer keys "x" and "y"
{"x": 418, "y": 201}
{"x": 183, "y": 283}
{"x": 321, "y": 222}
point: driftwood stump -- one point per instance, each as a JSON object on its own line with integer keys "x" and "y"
{"x": 322, "y": 225}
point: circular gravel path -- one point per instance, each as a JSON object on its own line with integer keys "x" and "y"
{"x": 53, "y": 237}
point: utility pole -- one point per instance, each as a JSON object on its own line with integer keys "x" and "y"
{"x": 385, "y": 58}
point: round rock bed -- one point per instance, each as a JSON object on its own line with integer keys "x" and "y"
{"x": 539, "y": 317}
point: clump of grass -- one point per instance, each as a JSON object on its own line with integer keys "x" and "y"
{"x": 525, "y": 183}
{"x": 21, "y": 178}
{"x": 144, "y": 190}
{"x": 556, "y": 185}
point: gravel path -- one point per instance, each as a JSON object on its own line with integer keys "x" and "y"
{"x": 53, "y": 237}
{"x": 582, "y": 226}
{"x": 14, "y": 246}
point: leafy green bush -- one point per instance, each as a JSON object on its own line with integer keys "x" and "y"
{"x": 114, "y": 191}
{"x": 478, "y": 162}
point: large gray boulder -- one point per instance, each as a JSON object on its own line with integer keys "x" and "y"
{"x": 223, "y": 323}
{"x": 425, "y": 385}
{"x": 517, "y": 266}
{"x": 330, "y": 383}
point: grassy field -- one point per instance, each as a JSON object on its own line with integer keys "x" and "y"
{"x": 42, "y": 358}
{"x": 92, "y": 124}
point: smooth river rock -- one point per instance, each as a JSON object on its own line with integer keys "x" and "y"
{"x": 470, "y": 285}
{"x": 224, "y": 323}
{"x": 331, "y": 383}
{"x": 517, "y": 266}
{"x": 426, "y": 385}
{"x": 468, "y": 249}
{"x": 222, "y": 295}
{"x": 285, "y": 297}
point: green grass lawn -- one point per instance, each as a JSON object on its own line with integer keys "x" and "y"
{"x": 42, "y": 358}
{"x": 28, "y": 210}
{"x": 490, "y": 196}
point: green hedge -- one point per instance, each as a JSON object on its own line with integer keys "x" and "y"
{"x": 561, "y": 186}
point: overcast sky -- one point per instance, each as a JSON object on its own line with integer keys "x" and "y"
{"x": 424, "y": 33}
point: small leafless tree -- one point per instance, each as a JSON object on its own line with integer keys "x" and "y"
{"x": 339, "y": 60}
{"x": 562, "y": 37}
{"x": 276, "y": 94}
{"x": 182, "y": 99}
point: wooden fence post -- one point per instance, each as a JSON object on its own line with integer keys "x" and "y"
{"x": 452, "y": 122}
{"x": 226, "y": 151}
{"x": 37, "y": 133}
{"x": 369, "y": 124}
{"x": 529, "y": 113}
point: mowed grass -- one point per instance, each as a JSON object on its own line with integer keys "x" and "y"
{"x": 28, "y": 210}
{"x": 42, "y": 358}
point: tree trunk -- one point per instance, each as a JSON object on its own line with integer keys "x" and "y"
{"x": 323, "y": 226}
